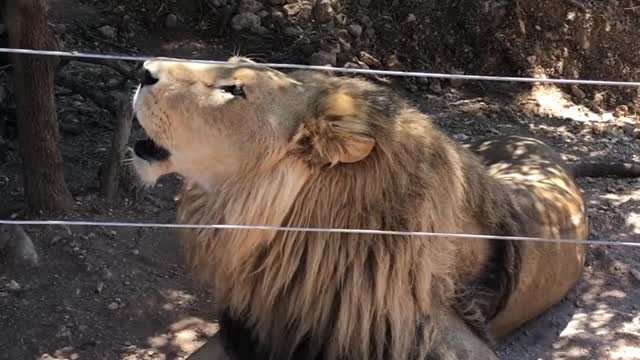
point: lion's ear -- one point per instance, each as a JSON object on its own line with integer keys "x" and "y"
{"x": 339, "y": 133}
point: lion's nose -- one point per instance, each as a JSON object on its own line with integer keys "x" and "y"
{"x": 148, "y": 78}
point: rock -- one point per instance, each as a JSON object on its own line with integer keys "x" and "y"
{"x": 613, "y": 131}
{"x": 350, "y": 65}
{"x": 359, "y": 63}
{"x": 365, "y": 3}
{"x": 63, "y": 332}
{"x": 621, "y": 111}
{"x": 322, "y": 58}
{"x": 456, "y": 82}
{"x": 135, "y": 252}
{"x": 365, "y": 20}
{"x": 628, "y": 130}
{"x": 291, "y": 9}
{"x": 108, "y": 31}
{"x": 292, "y": 31}
{"x": 578, "y": 93}
{"x": 344, "y": 45}
{"x": 343, "y": 34}
{"x": 393, "y": 63}
{"x": 60, "y": 31}
{"x": 599, "y": 99}
{"x": 532, "y": 60}
{"x": 107, "y": 274}
{"x": 370, "y": 32}
{"x": 368, "y": 59}
{"x": 276, "y": 2}
{"x": 411, "y": 18}
{"x": 307, "y": 49}
{"x": 15, "y": 241}
{"x": 412, "y": 88}
{"x": 435, "y": 86}
{"x": 119, "y": 10}
{"x": 55, "y": 240}
{"x": 171, "y": 21}
{"x": 341, "y": 19}
{"x": 113, "y": 306}
{"x": 250, "y": 6}
{"x": 323, "y": 12}
{"x": 263, "y": 14}
{"x": 423, "y": 81}
{"x": 277, "y": 15}
{"x": 306, "y": 10}
{"x": 597, "y": 109}
{"x": 218, "y": 3}
{"x": 247, "y": 21}
{"x": 99, "y": 287}
{"x": 355, "y": 30}
{"x": 13, "y": 286}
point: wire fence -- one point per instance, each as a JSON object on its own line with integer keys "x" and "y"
{"x": 310, "y": 229}
{"x": 74, "y": 54}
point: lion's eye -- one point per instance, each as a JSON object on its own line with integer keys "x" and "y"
{"x": 235, "y": 90}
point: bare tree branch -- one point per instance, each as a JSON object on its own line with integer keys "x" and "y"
{"x": 112, "y": 165}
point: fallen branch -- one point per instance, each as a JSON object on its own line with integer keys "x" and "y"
{"x": 606, "y": 169}
{"x": 112, "y": 165}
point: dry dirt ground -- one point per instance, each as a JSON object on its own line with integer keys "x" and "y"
{"x": 121, "y": 293}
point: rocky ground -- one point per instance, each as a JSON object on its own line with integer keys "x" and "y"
{"x": 121, "y": 293}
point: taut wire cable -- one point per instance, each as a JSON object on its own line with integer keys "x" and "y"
{"x": 308, "y": 229}
{"x": 76, "y": 54}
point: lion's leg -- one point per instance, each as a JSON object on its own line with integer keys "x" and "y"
{"x": 549, "y": 272}
{"x": 213, "y": 349}
{"x": 454, "y": 340}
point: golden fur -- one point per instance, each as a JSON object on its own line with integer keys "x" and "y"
{"x": 310, "y": 150}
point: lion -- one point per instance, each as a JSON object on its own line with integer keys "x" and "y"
{"x": 256, "y": 146}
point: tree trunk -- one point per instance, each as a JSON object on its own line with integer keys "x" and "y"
{"x": 38, "y": 134}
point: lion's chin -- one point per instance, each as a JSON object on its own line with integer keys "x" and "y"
{"x": 149, "y": 172}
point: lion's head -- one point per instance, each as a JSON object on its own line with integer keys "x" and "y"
{"x": 211, "y": 122}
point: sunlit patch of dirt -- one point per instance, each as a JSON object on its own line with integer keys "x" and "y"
{"x": 181, "y": 338}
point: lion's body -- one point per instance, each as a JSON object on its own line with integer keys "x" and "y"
{"x": 550, "y": 205}
{"x": 342, "y": 153}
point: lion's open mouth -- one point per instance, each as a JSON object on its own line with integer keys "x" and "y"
{"x": 150, "y": 151}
